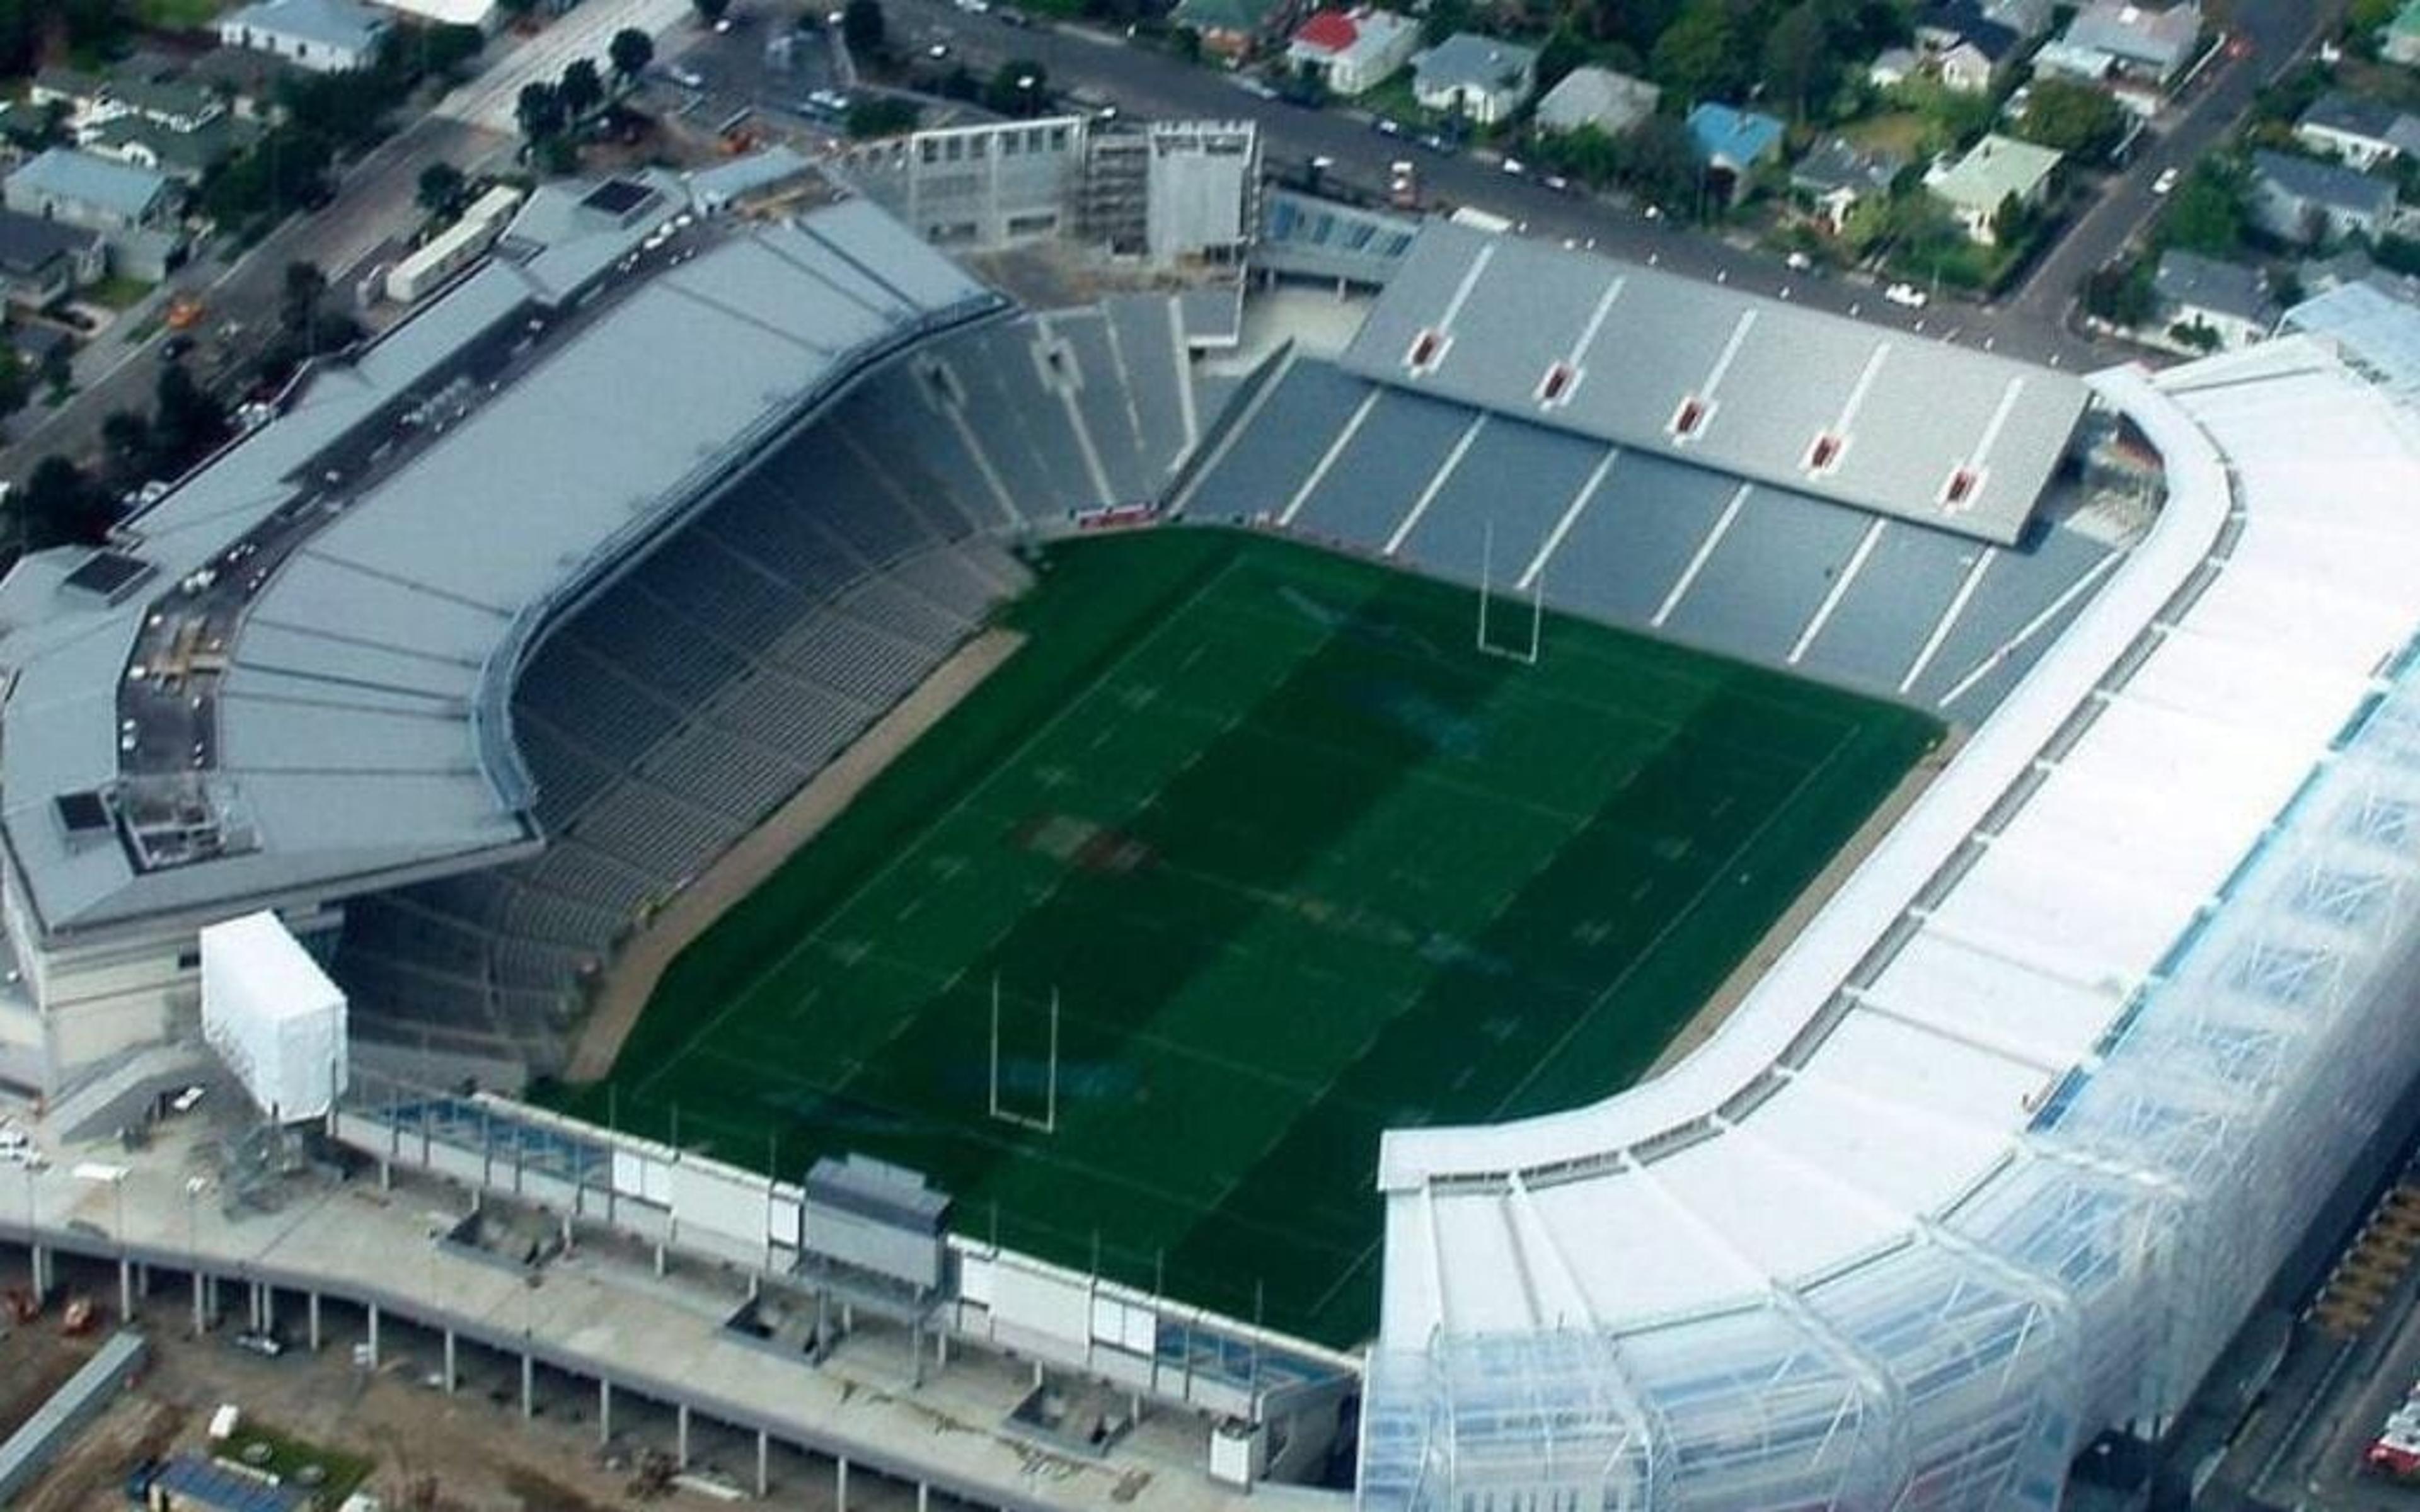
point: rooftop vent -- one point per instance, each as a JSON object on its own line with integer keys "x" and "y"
{"x": 1690, "y": 418}
{"x": 1428, "y": 349}
{"x": 109, "y": 576}
{"x": 1824, "y": 454}
{"x": 1959, "y": 491}
{"x": 84, "y": 813}
{"x": 1555, "y": 387}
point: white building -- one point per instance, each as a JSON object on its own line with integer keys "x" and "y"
{"x": 1354, "y": 50}
{"x": 325, "y": 35}
{"x": 1482, "y": 78}
{"x": 1993, "y": 172}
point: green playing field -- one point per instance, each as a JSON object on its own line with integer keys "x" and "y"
{"x": 1296, "y": 863}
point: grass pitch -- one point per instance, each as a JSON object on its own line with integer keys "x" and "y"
{"x": 1299, "y": 864}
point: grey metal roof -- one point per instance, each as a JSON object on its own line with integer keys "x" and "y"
{"x": 2193, "y": 281}
{"x": 1602, "y": 97}
{"x": 1313, "y": 237}
{"x": 1470, "y": 58}
{"x": 1636, "y": 346}
{"x": 65, "y": 174}
{"x": 28, "y": 1451}
{"x": 28, "y": 242}
{"x": 2324, "y": 183}
{"x": 2138, "y": 33}
{"x": 335, "y": 23}
{"x": 2351, "y": 115}
{"x": 710, "y": 189}
{"x": 358, "y": 727}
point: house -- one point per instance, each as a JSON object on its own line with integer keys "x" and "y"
{"x": 1354, "y": 50}
{"x": 134, "y": 209}
{"x": 1979, "y": 187}
{"x": 1896, "y": 65}
{"x": 2143, "y": 44}
{"x": 2227, "y": 300}
{"x": 1483, "y": 78}
{"x": 2303, "y": 200}
{"x": 182, "y": 155}
{"x": 1835, "y": 177}
{"x": 1612, "y": 102}
{"x": 1233, "y": 29}
{"x": 2028, "y": 18}
{"x": 246, "y": 80}
{"x": 2362, "y": 134}
{"x": 487, "y": 15}
{"x": 324, "y": 36}
{"x": 1732, "y": 143}
{"x": 2400, "y": 42}
{"x": 1961, "y": 45}
{"x": 74, "y": 92}
{"x": 42, "y": 262}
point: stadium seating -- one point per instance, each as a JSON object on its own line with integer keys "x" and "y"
{"x": 691, "y": 697}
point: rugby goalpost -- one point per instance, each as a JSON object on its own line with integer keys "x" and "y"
{"x": 1527, "y": 655}
{"x": 1048, "y": 1122}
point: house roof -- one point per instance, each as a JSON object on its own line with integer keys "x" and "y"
{"x": 241, "y": 71}
{"x": 1470, "y": 59}
{"x": 2324, "y": 183}
{"x": 195, "y": 152}
{"x": 1726, "y": 135}
{"x": 2190, "y": 281}
{"x": 73, "y": 82}
{"x": 2351, "y": 116}
{"x": 163, "y": 97}
{"x": 2137, "y": 34}
{"x": 1970, "y": 23}
{"x": 1227, "y": 15}
{"x": 28, "y": 242}
{"x": 1597, "y": 96}
{"x": 1834, "y": 163}
{"x": 1342, "y": 34}
{"x": 1993, "y": 169}
{"x": 120, "y": 188}
{"x": 336, "y": 23}
{"x": 1329, "y": 31}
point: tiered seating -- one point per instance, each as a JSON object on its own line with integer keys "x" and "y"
{"x": 697, "y": 693}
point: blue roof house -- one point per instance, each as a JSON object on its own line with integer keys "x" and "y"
{"x": 1732, "y": 143}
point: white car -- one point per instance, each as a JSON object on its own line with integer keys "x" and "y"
{"x": 2167, "y": 181}
{"x": 1516, "y": 167}
{"x": 1906, "y": 294}
{"x": 1798, "y": 262}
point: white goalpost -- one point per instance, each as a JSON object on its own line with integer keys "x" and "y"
{"x": 1527, "y": 655}
{"x": 1048, "y": 1122}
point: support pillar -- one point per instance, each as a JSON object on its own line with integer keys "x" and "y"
{"x": 604, "y": 1412}
{"x": 840, "y": 1486}
{"x": 311, "y": 1313}
{"x": 41, "y": 1266}
{"x": 268, "y": 1308}
{"x": 374, "y": 1338}
{"x": 386, "y": 1175}
{"x": 680, "y": 1435}
{"x": 659, "y": 1258}
{"x": 923, "y": 1497}
{"x": 200, "y": 1323}
{"x": 125, "y": 1289}
{"x": 449, "y": 1361}
{"x": 764, "y": 1464}
{"x": 142, "y": 1280}
{"x": 529, "y": 1386}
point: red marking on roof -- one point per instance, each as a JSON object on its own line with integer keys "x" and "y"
{"x": 1330, "y": 31}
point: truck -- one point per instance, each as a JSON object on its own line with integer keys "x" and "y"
{"x": 1479, "y": 220}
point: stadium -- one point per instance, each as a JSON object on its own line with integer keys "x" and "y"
{"x": 1614, "y": 894}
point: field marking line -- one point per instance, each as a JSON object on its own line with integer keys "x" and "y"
{"x": 1840, "y": 589}
{"x": 2084, "y": 582}
{"x": 1655, "y": 942}
{"x": 1570, "y": 517}
{"x": 1009, "y": 761}
{"x": 1688, "y": 577}
{"x": 1335, "y": 449}
{"x": 1437, "y": 484}
{"x": 1949, "y": 616}
{"x": 1729, "y": 353}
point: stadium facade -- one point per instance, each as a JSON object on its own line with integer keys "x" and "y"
{"x": 1998, "y": 1153}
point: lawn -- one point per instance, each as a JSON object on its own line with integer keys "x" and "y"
{"x": 1296, "y": 864}
{"x": 328, "y": 1475}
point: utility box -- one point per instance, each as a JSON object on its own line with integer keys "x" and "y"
{"x": 878, "y": 1218}
{"x": 274, "y": 1017}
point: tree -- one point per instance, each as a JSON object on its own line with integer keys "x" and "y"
{"x": 126, "y": 438}
{"x": 1564, "y": 51}
{"x": 1697, "y": 58}
{"x": 882, "y": 116}
{"x": 711, "y": 11}
{"x": 2073, "y": 117}
{"x": 539, "y": 111}
{"x": 863, "y": 27}
{"x": 299, "y": 308}
{"x": 59, "y": 505}
{"x": 1798, "y": 61}
{"x": 1658, "y": 160}
{"x": 187, "y": 422}
{"x": 16, "y": 382}
{"x": 1585, "y": 153}
{"x": 2121, "y": 294}
{"x": 2204, "y": 213}
{"x": 630, "y": 51}
{"x": 441, "y": 189}
{"x": 581, "y": 90}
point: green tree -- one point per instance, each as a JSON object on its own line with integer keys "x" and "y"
{"x": 1565, "y": 48}
{"x": 581, "y": 90}
{"x": 2121, "y": 294}
{"x": 863, "y": 27}
{"x": 539, "y": 111}
{"x": 1585, "y": 153}
{"x": 1658, "y": 161}
{"x": 1697, "y": 58}
{"x": 16, "y": 382}
{"x": 1188, "y": 44}
{"x": 305, "y": 286}
{"x": 441, "y": 185}
{"x": 2073, "y": 118}
{"x": 59, "y": 505}
{"x": 711, "y": 11}
{"x": 1798, "y": 61}
{"x": 187, "y": 422}
{"x": 630, "y": 51}
{"x": 2205, "y": 212}
{"x": 882, "y": 116}
{"x": 126, "y": 442}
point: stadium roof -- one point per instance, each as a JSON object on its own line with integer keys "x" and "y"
{"x": 1977, "y": 975}
{"x": 352, "y": 586}
{"x": 1897, "y": 423}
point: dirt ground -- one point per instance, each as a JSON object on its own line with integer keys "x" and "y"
{"x": 631, "y": 979}
{"x": 433, "y": 1453}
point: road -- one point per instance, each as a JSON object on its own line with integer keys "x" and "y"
{"x": 2275, "y": 33}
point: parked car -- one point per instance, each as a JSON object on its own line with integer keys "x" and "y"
{"x": 1905, "y": 294}
{"x": 2167, "y": 181}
